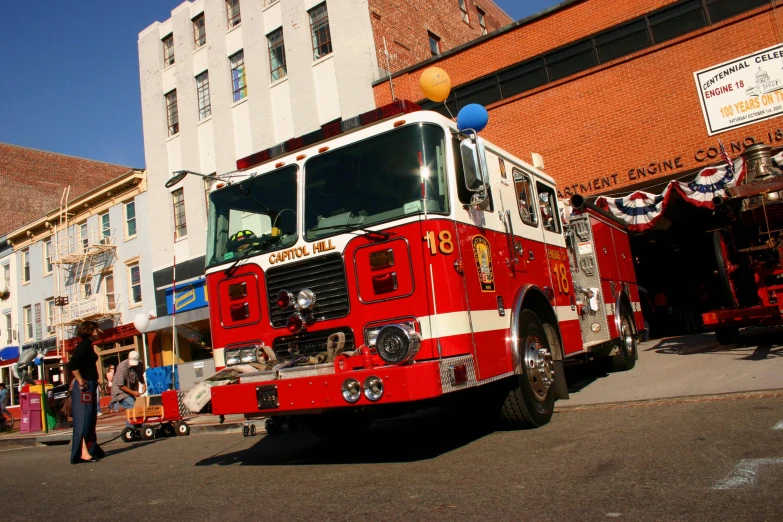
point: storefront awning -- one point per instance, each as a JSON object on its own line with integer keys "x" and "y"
{"x": 9, "y": 352}
{"x": 191, "y": 316}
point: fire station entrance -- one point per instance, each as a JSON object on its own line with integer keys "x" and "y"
{"x": 676, "y": 266}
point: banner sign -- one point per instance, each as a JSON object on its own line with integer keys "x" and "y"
{"x": 743, "y": 91}
{"x": 189, "y": 296}
{"x": 38, "y": 325}
{"x": 86, "y": 307}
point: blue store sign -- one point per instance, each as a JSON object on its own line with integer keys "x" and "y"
{"x": 189, "y": 296}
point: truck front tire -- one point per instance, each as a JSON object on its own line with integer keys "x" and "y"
{"x": 626, "y": 359}
{"x": 531, "y": 400}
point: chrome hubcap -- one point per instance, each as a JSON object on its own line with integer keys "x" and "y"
{"x": 628, "y": 337}
{"x": 539, "y": 367}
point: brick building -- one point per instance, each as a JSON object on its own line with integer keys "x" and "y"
{"x": 414, "y": 31}
{"x": 32, "y": 182}
{"x": 607, "y": 92}
{"x": 604, "y": 90}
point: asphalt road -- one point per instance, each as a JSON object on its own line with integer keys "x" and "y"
{"x": 652, "y": 461}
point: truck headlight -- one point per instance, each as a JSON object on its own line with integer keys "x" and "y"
{"x": 248, "y": 355}
{"x": 233, "y": 357}
{"x": 397, "y": 343}
{"x": 305, "y": 299}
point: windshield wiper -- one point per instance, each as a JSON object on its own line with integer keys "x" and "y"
{"x": 377, "y": 234}
{"x": 263, "y": 242}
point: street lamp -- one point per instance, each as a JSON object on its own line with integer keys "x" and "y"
{"x": 179, "y": 175}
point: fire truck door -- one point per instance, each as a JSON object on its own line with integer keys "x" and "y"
{"x": 489, "y": 282}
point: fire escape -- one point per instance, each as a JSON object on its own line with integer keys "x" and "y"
{"x": 83, "y": 256}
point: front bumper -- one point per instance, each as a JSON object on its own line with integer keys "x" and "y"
{"x": 258, "y": 394}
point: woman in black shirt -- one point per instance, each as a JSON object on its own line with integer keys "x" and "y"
{"x": 84, "y": 365}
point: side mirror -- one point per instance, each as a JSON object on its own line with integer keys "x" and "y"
{"x": 471, "y": 166}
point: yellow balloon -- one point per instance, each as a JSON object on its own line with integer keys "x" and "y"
{"x": 435, "y": 84}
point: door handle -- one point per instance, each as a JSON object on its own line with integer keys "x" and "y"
{"x": 512, "y": 246}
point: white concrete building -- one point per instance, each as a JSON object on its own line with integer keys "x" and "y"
{"x": 216, "y": 87}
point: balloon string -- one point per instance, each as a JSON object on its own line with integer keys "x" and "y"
{"x": 449, "y": 111}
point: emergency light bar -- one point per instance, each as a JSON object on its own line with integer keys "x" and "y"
{"x": 327, "y": 131}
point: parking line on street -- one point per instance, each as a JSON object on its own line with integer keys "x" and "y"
{"x": 744, "y": 473}
{"x": 778, "y": 426}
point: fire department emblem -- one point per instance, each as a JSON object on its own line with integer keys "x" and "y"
{"x": 483, "y": 257}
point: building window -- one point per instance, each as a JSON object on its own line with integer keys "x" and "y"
{"x": 180, "y": 224}
{"x": 9, "y": 333}
{"x": 723, "y": 9}
{"x": 202, "y": 89}
{"x": 84, "y": 236}
{"x": 570, "y": 60}
{"x": 276, "y": 54}
{"x": 50, "y": 316}
{"x": 108, "y": 291}
{"x": 434, "y": 44}
{"x": 482, "y": 20}
{"x": 7, "y": 276}
{"x": 172, "y": 116}
{"x": 26, "y": 265}
{"x": 134, "y": 280}
{"x": 677, "y": 20}
{"x": 28, "y": 323}
{"x": 130, "y": 219}
{"x": 238, "y": 83}
{"x": 105, "y": 228}
{"x": 463, "y": 9}
{"x": 168, "y": 50}
{"x": 199, "y": 30}
{"x": 232, "y": 9}
{"x": 623, "y": 40}
{"x": 47, "y": 253}
{"x": 319, "y": 29}
{"x": 86, "y": 288}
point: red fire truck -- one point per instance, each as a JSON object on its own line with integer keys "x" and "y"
{"x": 388, "y": 260}
{"x": 749, "y": 250}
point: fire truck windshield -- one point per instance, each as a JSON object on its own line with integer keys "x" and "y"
{"x": 255, "y": 216}
{"x": 376, "y": 180}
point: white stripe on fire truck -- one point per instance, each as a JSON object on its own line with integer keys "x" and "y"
{"x": 458, "y": 323}
{"x": 220, "y": 357}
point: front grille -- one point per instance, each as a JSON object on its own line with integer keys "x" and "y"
{"x": 324, "y": 275}
{"x": 309, "y": 343}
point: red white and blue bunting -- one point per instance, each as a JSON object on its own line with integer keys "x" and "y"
{"x": 641, "y": 210}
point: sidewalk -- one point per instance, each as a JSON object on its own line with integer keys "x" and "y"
{"x": 684, "y": 367}
{"x": 110, "y": 426}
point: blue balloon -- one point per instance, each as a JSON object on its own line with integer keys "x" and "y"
{"x": 473, "y": 116}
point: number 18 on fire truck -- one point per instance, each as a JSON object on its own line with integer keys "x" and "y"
{"x": 392, "y": 259}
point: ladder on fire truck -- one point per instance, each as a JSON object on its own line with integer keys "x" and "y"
{"x": 80, "y": 253}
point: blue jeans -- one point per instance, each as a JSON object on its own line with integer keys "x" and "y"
{"x": 126, "y": 403}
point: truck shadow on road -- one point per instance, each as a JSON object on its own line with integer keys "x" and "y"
{"x": 406, "y": 439}
{"x": 754, "y": 345}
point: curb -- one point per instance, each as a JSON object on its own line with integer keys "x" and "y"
{"x": 107, "y": 435}
{"x": 669, "y": 401}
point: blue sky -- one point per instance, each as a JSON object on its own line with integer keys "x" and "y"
{"x": 71, "y": 80}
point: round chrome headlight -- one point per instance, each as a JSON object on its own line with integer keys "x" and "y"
{"x": 373, "y": 388}
{"x": 352, "y": 390}
{"x": 397, "y": 345}
{"x": 305, "y": 299}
